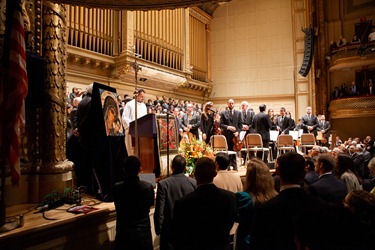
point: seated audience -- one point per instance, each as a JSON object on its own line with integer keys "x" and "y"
{"x": 294, "y": 219}
{"x": 359, "y": 161}
{"x": 328, "y": 187}
{"x": 224, "y": 179}
{"x": 203, "y": 218}
{"x": 169, "y": 190}
{"x": 369, "y": 184}
{"x": 133, "y": 199}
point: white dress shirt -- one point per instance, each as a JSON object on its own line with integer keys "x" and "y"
{"x": 128, "y": 114}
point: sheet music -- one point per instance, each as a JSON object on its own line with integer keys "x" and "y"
{"x": 294, "y": 134}
{"x": 242, "y": 135}
{"x": 273, "y": 135}
{"x": 300, "y": 132}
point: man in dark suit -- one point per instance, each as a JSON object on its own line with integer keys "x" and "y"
{"x": 336, "y": 93}
{"x": 328, "y": 187}
{"x": 169, "y": 190}
{"x": 231, "y": 125}
{"x": 202, "y": 219}
{"x": 262, "y": 125}
{"x": 309, "y": 122}
{"x": 191, "y": 121}
{"x": 133, "y": 199}
{"x": 325, "y": 127}
{"x": 283, "y": 122}
{"x": 294, "y": 219}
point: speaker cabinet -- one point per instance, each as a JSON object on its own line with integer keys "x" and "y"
{"x": 309, "y": 52}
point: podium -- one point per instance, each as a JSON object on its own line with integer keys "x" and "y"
{"x": 148, "y": 149}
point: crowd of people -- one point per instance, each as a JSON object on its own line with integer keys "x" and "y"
{"x": 353, "y": 90}
{"x": 216, "y": 210}
{"x": 332, "y": 190}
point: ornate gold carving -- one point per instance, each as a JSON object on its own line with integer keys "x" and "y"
{"x": 352, "y": 107}
{"x": 54, "y": 113}
{"x": 140, "y": 4}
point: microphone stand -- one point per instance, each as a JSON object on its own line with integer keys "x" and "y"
{"x": 168, "y": 114}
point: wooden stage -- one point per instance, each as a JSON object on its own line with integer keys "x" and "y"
{"x": 60, "y": 229}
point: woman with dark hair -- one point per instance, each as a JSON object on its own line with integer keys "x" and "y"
{"x": 271, "y": 114}
{"x": 259, "y": 187}
{"x": 346, "y": 172}
{"x": 207, "y": 122}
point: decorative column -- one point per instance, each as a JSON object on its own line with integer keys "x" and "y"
{"x": 54, "y": 171}
{"x": 321, "y": 91}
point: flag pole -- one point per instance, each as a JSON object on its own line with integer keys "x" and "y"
{"x": 4, "y": 67}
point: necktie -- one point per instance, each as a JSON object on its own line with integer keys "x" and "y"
{"x": 244, "y": 114}
{"x": 309, "y": 117}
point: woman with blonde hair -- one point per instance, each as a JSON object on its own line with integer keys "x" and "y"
{"x": 259, "y": 187}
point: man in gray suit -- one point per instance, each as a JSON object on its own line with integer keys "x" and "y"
{"x": 170, "y": 190}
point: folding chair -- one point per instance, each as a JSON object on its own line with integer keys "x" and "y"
{"x": 219, "y": 144}
{"x": 285, "y": 143}
{"x": 307, "y": 141}
{"x": 254, "y": 144}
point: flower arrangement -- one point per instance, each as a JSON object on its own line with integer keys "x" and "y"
{"x": 193, "y": 150}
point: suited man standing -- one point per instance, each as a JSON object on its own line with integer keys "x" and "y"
{"x": 169, "y": 190}
{"x": 262, "y": 126}
{"x": 191, "y": 121}
{"x": 247, "y": 117}
{"x": 325, "y": 127}
{"x": 202, "y": 219}
{"x": 309, "y": 122}
{"x": 283, "y": 122}
{"x": 231, "y": 125}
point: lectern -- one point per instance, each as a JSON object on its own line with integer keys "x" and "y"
{"x": 148, "y": 149}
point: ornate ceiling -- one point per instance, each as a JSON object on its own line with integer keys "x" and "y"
{"x": 143, "y": 4}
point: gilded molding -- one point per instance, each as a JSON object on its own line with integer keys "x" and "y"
{"x": 352, "y": 107}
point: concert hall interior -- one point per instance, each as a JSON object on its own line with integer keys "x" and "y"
{"x": 290, "y": 54}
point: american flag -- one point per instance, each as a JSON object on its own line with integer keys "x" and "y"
{"x": 13, "y": 95}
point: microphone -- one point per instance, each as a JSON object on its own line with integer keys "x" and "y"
{"x": 212, "y": 110}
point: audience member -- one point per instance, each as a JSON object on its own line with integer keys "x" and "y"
{"x": 328, "y": 187}
{"x": 355, "y": 39}
{"x": 259, "y": 185}
{"x": 203, "y": 218}
{"x": 358, "y": 160}
{"x": 371, "y": 36}
{"x": 224, "y": 179}
{"x": 371, "y": 181}
{"x": 361, "y": 205}
{"x": 344, "y": 170}
{"x": 133, "y": 199}
{"x": 336, "y": 93}
{"x": 353, "y": 89}
{"x": 341, "y": 41}
{"x": 311, "y": 176}
{"x": 370, "y": 89}
{"x": 169, "y": 190}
